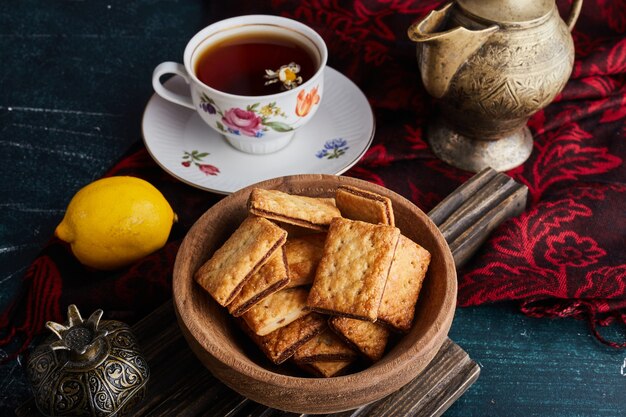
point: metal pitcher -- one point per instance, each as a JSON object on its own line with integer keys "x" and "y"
{"x": 492, "y": 64}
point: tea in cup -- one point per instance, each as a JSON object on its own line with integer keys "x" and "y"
{"x": 254, "y": 79}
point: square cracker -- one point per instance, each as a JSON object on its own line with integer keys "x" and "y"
{"x": 271, "y": 277}
{"x": 303, "y": 255}
{"x": 281, "y": 344}
{"x": 234, "y": 263}
{"x": 325, "y": 347}
{"x": 404, "y": 283}
{"x": 326, "y": 369}
{"x": 277, "y": 310}
{"x": 357, "y": 204}
{"x": 308, "y": 212}
{"x": 368, "y": 338}
{"x": 351, "y": 276}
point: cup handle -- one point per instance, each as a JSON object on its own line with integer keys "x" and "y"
{"x": 171, "y": 68}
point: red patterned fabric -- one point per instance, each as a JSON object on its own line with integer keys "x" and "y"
{"x": 564, "y": 256}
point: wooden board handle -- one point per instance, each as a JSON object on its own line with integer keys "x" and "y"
{"x": 471, "y": 212}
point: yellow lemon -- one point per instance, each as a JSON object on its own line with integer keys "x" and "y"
{"x": 115, "y": 221}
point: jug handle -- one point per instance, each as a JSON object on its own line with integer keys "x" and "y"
{"x": 573, "y": 14}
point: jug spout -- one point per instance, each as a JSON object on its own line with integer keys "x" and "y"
{"x": 442, "y": 51}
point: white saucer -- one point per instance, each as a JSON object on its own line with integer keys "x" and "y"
{"x": 172, "y": 133}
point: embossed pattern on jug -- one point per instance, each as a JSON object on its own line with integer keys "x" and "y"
{"x": 514, "y": 74}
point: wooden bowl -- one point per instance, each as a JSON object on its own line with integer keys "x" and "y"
{"x": 218, "y": 343}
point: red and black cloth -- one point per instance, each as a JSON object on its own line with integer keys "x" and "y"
{"x": 565, "y": 256}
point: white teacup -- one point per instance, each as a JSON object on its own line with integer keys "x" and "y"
{"x": 252, "y": 124}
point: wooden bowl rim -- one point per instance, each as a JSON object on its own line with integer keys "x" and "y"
{"x": 432, "y": 338}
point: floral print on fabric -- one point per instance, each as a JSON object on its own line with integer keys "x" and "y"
{"x": 573, "y": 227}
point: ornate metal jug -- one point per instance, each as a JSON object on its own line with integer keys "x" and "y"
{"x": 88, "y": 368}
{"x": 492, "y": 64}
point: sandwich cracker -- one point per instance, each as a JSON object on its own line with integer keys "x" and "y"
{"x": 368, "y": 338}
{"x": 281, "y": 344}
{"x": 271, "y": 277}
{"x": 277, "y": 310}
{"x": 245, "y": 251}
{"x": 303, "y": 255}
{"x": 352, "y": 273}
{"x": 308, "y": 212}
{"x": 357, "y": 204}
{"x": 325, "y": 347}
{"x": 326, "y": 369}
{"x": 404, "y": 283}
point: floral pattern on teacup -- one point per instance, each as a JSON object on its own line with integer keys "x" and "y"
{"x": 252, "y": 121}
{"x": 196, "y": 158}
{"x": 333, "y": 149}
{"x": 306, "y": 101}
{"x": 244, "y": 122}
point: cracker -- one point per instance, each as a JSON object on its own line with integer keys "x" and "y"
{"x": 326, "y": 369}
{"x": 303, "y": 255}
{"x": 277, "y": 310}
{"x": 351, "y": 275}
{"x": 234, "y": 263}
{"x": 308, "y": 212}
{"x": 368, "y": 338}
{"x": 404, "y": 283}
{"x": 325, "y": 347}
{"x": 281, "y": 344}
{"x": 271, "y": 277}
{"x": 357, "y": 204}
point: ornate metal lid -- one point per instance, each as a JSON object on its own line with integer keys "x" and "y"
{"x": 89, "y": 367}
{"x": 507, "y": 11}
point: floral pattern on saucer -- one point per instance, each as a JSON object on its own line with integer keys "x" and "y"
{"x": 333, "y": 149}
{"x": 196, "y": 158}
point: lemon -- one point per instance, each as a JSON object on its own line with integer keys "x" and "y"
{"x": 115, "y": 221}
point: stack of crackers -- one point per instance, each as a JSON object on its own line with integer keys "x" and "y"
{"x": 323, "y": 282}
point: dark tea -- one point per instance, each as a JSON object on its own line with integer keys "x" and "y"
{"x": 237, "y": 65}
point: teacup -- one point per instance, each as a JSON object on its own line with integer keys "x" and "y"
{"x": 256, "y": 124}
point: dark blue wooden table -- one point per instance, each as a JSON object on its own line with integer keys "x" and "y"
{"x": 74, "y": 80}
